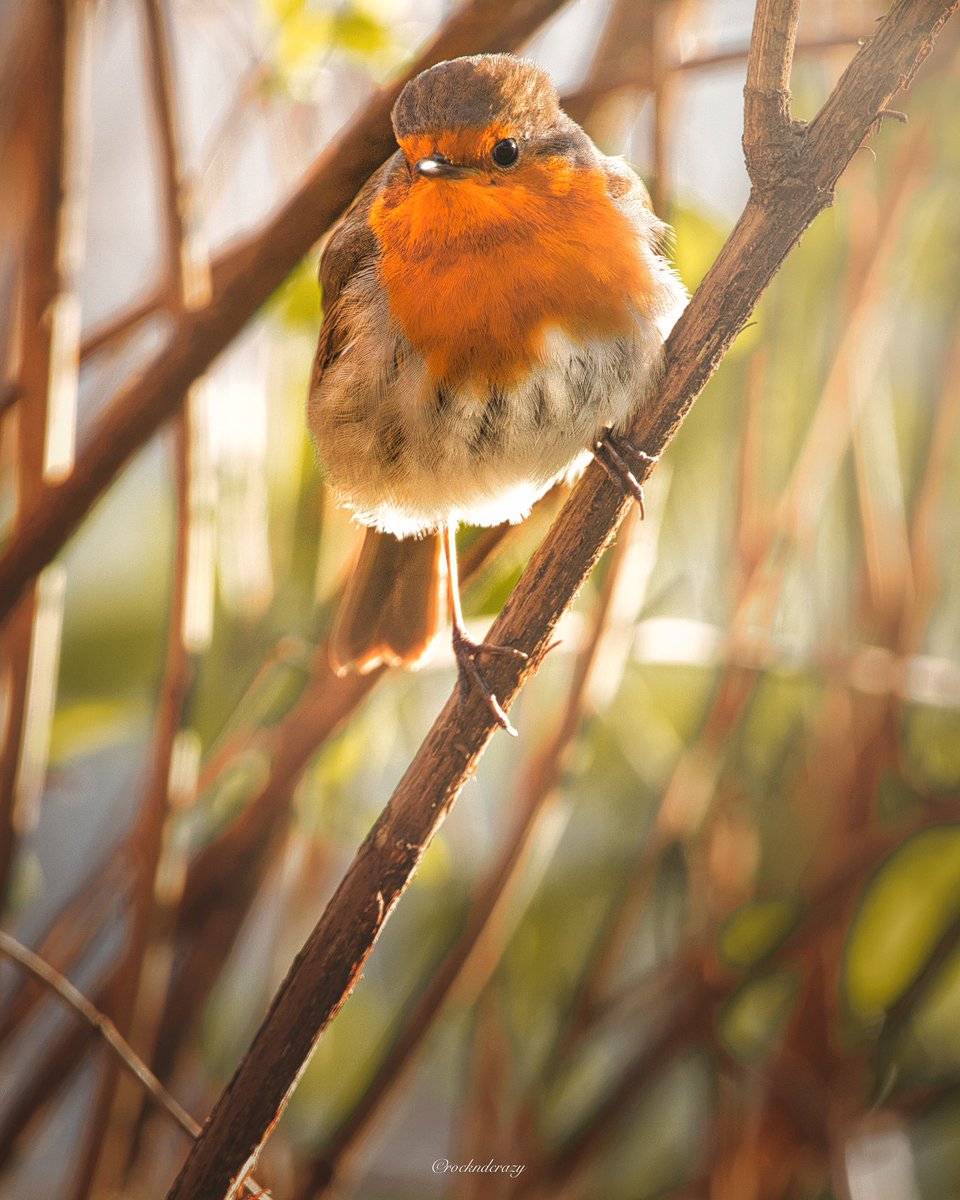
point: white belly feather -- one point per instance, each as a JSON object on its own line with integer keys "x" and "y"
{"x": 406, "y": 456}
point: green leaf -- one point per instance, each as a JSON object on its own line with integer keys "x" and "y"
{"x": 906, "y": 909}
{"x": 359, "y": 32}
{"x": 757, "y": 928}
{"x": 754, "y": 1018}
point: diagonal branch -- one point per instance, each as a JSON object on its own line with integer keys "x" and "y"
{"x": 45, "y": 369}
{"x": 331, "y": 961}
{"x": 89, "y": 1013}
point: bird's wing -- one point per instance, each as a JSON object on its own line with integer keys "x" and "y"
{"x": 351, "y": 248}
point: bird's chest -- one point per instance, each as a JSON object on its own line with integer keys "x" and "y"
{"x": 476, "y": 273}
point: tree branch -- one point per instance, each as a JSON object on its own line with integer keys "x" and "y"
{"x": 88, "y": 1012}
{"x": 42, "y": 326}
{"x": 770, "y": 136}
{"x": 99, "y": 1163}
{"x": 330, "y": 963}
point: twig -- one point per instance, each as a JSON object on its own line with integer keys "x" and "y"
{"x": 701, "y": 986}
{"x": 42, "y": 283}
{"x": 331, "y": 961}
{"x": 728, "y": 58}
{"x": 924, "y": 524}
{"x": 48, "y": 1074}
{"x": 69, "y": 936}
{"x": 102, "y": 1158}
{"x": 88, "y": 1012}
{"x": 71, "y": 1050}
{"x": 687, "y": 1019}
{"x": 123, "y": 325}
{"x": 158, "y": 58}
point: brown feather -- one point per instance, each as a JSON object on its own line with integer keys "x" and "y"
{"x": 392, "y": 607}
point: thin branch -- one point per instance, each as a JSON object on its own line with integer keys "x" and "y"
{"x": 701, "y": 986}
{"x": 158, "y": 59}
{"x": 122, "y": 326}
{"x": 330, "y": 963}
{"x": 49, "y": 1072}
{"x": 935, "y": 478}
{"x": 812, "y": 46}
{"x": 92, "y": 1016}
{"x": 101, "y": 1159}
{"x": 45, "y": 121}
{"x": 69, "y": 936}
{"x": 88, "y": 1012}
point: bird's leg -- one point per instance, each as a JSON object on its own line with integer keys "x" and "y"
{"x": 466, "y": 650}
{"x": 613, "y": 452}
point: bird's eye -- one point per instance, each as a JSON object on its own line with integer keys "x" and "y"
{"x": 505, "y": 152}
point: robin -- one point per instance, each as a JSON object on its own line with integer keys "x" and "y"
{"x": 495, "y": 305}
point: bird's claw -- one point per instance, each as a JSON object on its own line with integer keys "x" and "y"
{"x": 467, "y": 651}
{"x": 613, "y": 452}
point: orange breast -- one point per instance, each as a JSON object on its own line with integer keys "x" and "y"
{"x": 476, "y": 269}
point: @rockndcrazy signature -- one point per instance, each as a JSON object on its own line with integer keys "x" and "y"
{"x": 444, "y": 1166}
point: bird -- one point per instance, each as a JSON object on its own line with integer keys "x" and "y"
{"x": 495, "y": 304}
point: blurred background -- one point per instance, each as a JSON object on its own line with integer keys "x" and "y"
{"x": 697, "y": 931}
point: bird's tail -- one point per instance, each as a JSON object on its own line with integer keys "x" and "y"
{"x": 392, "y": 608}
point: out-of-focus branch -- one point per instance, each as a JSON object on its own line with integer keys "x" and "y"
{"x": 102, "y": 1025}
{"x": 91, "y": 1015}
{"x": 812, "y": 46}
{"x": 333, "y": 957}
{"x": 701, "y": 985}
{"x": 935, "y": 477}
{"x": 103, "y": 1157}
{"x": 184, "y": 287}
{"x": 68, "y": 938}
{"x": 42, "y": 320}
{"x": 243, "y": 277}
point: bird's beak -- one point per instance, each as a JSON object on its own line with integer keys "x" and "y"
{"x": 435, "y": 166}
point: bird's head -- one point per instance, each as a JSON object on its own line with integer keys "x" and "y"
{"x": 493, "y": 119}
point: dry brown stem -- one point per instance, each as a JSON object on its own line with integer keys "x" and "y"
{"x": 45, "y": 128}
{"x": 110, "y": 1126}
{"x": 88, "y": 1012}
{"x": 223, "y": 879}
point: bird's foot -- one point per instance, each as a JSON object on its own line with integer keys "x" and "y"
{"x": 613, "y": 452}
{"x": 467, "y": 651}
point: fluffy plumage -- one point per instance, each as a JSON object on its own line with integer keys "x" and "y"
{"x": 484, "y": 325}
